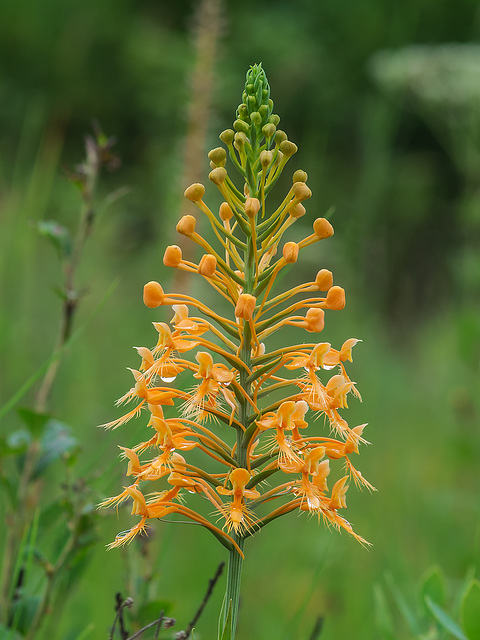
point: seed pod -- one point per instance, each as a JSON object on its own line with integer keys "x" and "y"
{"x": 153, "y": 294}
{"x": 186, "y": 225}
{"x": 172, "y": 256}
{"x": 322, "y": 228}
{"x": 195, "y": 192}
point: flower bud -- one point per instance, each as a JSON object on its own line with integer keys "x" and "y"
{"x": 256, "y": 118}
{"x": 297, "y": 211}
{"x": 324, "y": 280}
{"x": 207, "y": 265}
{"x": 218, "y": 156}
{"x": 300, "y": 176}
{"x": 288, "y": 148}
{"x": 227, "y": 136}
{"x": 242, "y": 111}
{"x": 218, "y": 175}
{"x": 274, "y": 119}
{"x": 186, "y": 225}
{"x": 315, "y": 320}
{"x": 301, "y": 191}
{"x": 240, "y": 139}
{"x": 265, "y": 158}
{"x": 195, "y": 192}
{"x": 252, "y": 206}
{"x": 263, "y": 111}
{"x": 290, "y": 252}
{"x": 322, "y": 228}
{"x": 335, "y": 298}
{"x": 245, "y": 306}
{"x": 241, "y": 125}
{"x": 268, "y": 130}
{"x": 280, "y": 136}
{"x": 172, "y": 256}
{"x": 153, "y": 294}
{"x": 225, "y": 212}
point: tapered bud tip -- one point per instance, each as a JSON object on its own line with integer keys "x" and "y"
{"x": 225, "y": 212}
{"x": 335, "y": 298}
{"x": 300, "y": 176}
{"x": 218, "y": 175}
{"x": 269, "y": 129}
{"x": 265, "y": 158}
{"x": 315, "y": 320}
{"x": 322, "y": 228}
{"x": 207, "y": 265}
{"x": 153, "y": 294}
{"x": 186, "y": 225}
{"x": 252, "y": 206}
{"x": 218, "y": 156}
{"x": 227, "y": 136}
{"x": 301, "y": 191}
{"x": 324, "y": 280}
{"x": 172, "y": 256}
{"x": 290, "y": 252}
{"x": 195, "y": 192}
{"x": 245, "y": 306}
{"x": 297, "y": 211}
{"x": 288, "y": 148}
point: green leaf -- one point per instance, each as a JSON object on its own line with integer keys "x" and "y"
{"x": 434, "y": 585}
{"x": 403, "y": 606}
{"x": 58, "y": 235}
{"x": 226, "y": 633}
{"x": 9, "y": 634}
{"x": 34, "y": 421}
{"x": 445, "y": 620}
{"x": 383, "y": 615}
{"x": 470, "y": 610}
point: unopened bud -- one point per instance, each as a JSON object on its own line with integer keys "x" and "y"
{"x": 153, "y": 294}
{"x": 268, "y": 130}
{"x": 195, "y": 192}
{"x": 240, "y": 139}
{"x": 207, "y": 265}
{"x": 280, "y": 136}
{"x": 322, "y": 228}
{"x": 245, "y": 306}
{"x": 242, "y": 111}
{"x": 218, "y": 156}
{"x": 263, "y": 110}
{"x": 225, "y": 212}
{"x": 297, "y": 211}
{"x": 227, "y": 136}
{"x": 172, "y": 256}
{"x": 186, "y": 225}
{"x": 252, "y": 206}
{"x": 335, "y": 298}
{"x": 241, "y": 125}
{"x": 288, "y": 148}
{"x": 324, "y": 280}
{"x": 290, "y": 252}
{"x": 218, "y": 175}
{"x": 301, "y": 191}
{"x": 265, "y": 158}
{"x": 274, "y": 119}
{"x": 300, "y": 176}
{"x": 256, "y": 118}
{"x": 315, "y": 320}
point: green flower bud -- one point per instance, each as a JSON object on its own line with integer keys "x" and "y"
{"x": 263, "y": 111}
{"x": 218, "y": 175}
{"x": 218, "y": 156}
{"x": 300, "y": 176}
{"x": 256, "y": 118}
{"x": 280, "y": 136}
{"x": 240, "y": 139}
{"x": 265, "y": 158}
{"x": 268, "y": 130}
{"x": 274, "y": 119}
{"x": 227, "y": 136}
{"x": 288, "y": 148}
{"x": 242, "y": 111}
{"x": 240, "y": 125}
{"x": 251, "y": 102}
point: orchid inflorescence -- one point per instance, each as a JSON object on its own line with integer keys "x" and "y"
{"x": 252, "y": 413}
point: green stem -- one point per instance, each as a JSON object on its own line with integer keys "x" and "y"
{"x": 234, "y": 576}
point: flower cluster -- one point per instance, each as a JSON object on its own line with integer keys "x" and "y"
{"x": 251, "y": 414}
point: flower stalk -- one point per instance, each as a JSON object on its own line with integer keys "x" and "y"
{"x": 251, "y": 413}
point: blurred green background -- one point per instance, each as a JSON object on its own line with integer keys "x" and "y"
{"x": 389, "y": 133}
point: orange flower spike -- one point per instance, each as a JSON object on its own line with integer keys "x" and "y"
{"x": 237, "y": 513}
